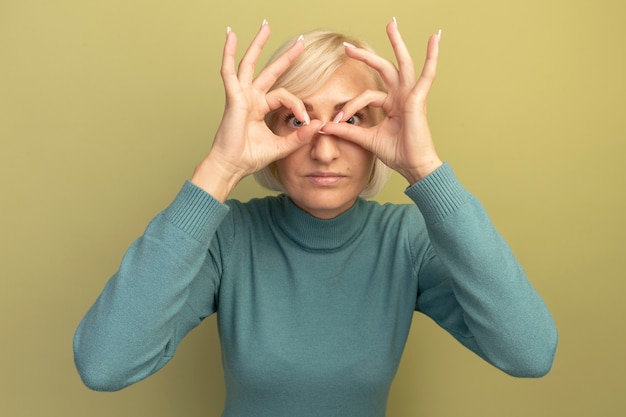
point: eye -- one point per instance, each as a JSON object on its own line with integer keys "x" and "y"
{"x": 356, "y": 119}
{"x": 291, "y": 120}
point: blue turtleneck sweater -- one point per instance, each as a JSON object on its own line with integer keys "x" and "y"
{"x": 313, "y": 314}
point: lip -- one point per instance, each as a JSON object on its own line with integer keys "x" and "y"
{"x": 325, "y": 179}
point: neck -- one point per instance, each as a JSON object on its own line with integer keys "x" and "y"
{"x": 316, "y": 233}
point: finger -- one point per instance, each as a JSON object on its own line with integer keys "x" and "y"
{"x": 250, "y": 58}
{"x": 429, "y": 71}
{"x": 227, "y": 70}
{"x": 266, "y": 79}
{"x": 362, "y": 136}
{"x": 367, "y": 99}
{"x": 295, "y": 140}
{"x": 282, "y": 98}
{"x": 403, "y": 57}
{"x": 386, "y": 69}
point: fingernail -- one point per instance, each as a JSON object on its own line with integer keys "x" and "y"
{"x": 307, "y": 119}
{"x": 264, "y": 22}
{"x": 320, "y": 130}
{"x": 439, "y": 34}
{"x": 338, "y": 118}
{"x": 348, "y": 45}
{"x": 300, "y": 39}
{"x": 228, "y": 30}
{"x": 395, "y": 21}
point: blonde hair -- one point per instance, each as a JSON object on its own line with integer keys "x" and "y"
{"x": 323, "y": 54}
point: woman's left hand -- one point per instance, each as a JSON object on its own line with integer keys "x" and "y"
{"x": 402, "y": 140}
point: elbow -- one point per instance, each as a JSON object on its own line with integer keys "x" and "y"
{"x": 95, "y": 375}
{"x": 536, "y": 369}
{"x": 95, "y": 370}
{"x": 102, "y": 370}
{"x": 96, "y": 382}
{"x": 534, "y": 362}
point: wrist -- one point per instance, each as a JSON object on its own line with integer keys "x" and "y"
{"x": 419, "y": 172}
{"x": 216, "y": 178}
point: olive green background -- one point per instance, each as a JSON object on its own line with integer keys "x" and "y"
{"x": 106, "y": 107}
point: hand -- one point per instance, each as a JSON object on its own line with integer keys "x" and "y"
{"x": 402, "y": 140}
{"x": 243, "y": 143}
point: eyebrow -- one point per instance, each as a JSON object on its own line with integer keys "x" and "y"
{"x": 338, "y": 106}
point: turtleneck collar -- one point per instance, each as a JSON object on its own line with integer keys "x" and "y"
{"x": 316, "y": 234}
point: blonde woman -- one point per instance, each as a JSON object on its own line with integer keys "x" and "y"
{"x": 315, "y": 289}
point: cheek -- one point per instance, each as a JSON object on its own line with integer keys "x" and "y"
{"x": 364, "y": 161}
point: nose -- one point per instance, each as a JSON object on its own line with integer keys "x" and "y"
{"x": 324, "y": 148}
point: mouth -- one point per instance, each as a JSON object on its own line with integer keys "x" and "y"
{"x": 325, "y": 179}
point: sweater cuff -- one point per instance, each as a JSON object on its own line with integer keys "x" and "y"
{"x": 439, "y": 194}
{"x": 196, "y": 212}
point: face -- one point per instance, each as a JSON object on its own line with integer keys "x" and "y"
{"x": 325, "y": 177}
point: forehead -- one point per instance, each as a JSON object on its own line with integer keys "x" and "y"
{"x": 348, "y": 81}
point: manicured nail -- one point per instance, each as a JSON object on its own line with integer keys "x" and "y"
{"x": 439, "y": 34}
{"x": 264, "y": 22}
{"x": 307, "y": 119}
{"x": 348, "y": 45}
{"x": 320, "y": 130}
{"x": 338, "y": 118}
{"x": 395, "y": 21}
{"x": 228, "y": 30}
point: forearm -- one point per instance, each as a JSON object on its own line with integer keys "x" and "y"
{"x": 508, "y": 321}
{"x": 137, "y": 321}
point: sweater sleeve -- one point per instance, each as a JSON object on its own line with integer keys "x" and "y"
{"x": 165, "y": 286}
{"x": 472, "y": 285}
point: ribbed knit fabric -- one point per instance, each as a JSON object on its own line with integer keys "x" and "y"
{"x": 313, "y": 314}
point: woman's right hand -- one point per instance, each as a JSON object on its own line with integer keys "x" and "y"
{"x": 244, "y": 144}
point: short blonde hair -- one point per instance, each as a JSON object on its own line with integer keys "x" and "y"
{"x": 323, "y": 54}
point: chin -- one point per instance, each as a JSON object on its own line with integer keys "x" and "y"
{"x": 324, "y": 209}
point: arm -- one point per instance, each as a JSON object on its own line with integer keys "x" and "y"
{"x": 164, "y": 287}
{"x": 168, "y": 278}
{"x": 472, "y": 285}
{"x": 244, "y": 144}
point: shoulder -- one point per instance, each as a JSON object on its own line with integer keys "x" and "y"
{"x": 245, "y": 222}
{"x": 255, "y": 216}
{"x": 255, "y": 208}
{"x": 391, "y": 211}
{"x": 392, "y": 215}
{"x": 399, "y": 229}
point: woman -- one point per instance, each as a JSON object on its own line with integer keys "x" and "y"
{"x": 315, "y": 289}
